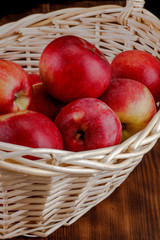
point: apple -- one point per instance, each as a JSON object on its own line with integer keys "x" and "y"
{"x": 15, "y": 87}
{"x": 71, "y": 68}
{"x": 31, "y": 129}
{"x": 44, "y": 103}
{"x": 88, "y": 123}
{"x": 140, "y": 66}
{"x": 132, "y": 102}
{"x": 34, "y": 78}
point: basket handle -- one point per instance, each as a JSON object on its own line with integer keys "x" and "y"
{"x": 136, "y": 3}
{"x": 130, "y": 6}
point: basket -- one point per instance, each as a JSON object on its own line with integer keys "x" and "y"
{"x": 37, "y": 197}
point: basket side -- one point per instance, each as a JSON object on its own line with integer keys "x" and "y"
{"x": 37, "y": 206}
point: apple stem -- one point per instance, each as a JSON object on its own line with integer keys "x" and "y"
{"x": 15, "y": 97}
{"x": 80, "y": 135}
{"x": 123, "y": 126}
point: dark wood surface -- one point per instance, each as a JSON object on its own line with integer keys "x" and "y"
{"x": 132, "y": 211}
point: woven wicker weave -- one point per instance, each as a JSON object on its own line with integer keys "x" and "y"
{"x": 60, "y": 187}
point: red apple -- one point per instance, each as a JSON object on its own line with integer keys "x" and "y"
{"x": 31, "y": 129}
{"x": 44, "y": 103}
{"x": 15, "y": 87}
{"x": 72, "y": 68}
{"x": 88, "y": 123}
{"x": 34, "y": 78}
{"x": 132, "y": 102}
{"x": 140, "y": 66}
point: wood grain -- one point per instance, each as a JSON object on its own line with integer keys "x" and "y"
{"x": 132, "y": 211}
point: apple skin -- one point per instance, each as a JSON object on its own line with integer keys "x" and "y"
{"x": 15, "y": 87}
{"x": 31, "y": 129}
{"x": 44, "y": 103}
{"x": 132, "y": 102}
{"x": 88, "y": 123}
{"x": 71, "y": 68}
{"x": 34, "y": 78}
{"x": 140, "y": 66}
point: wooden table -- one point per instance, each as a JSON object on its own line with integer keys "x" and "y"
{"x": 132, "y": 211}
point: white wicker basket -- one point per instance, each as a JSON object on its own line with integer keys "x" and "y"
{"x": 37, "y": 197}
